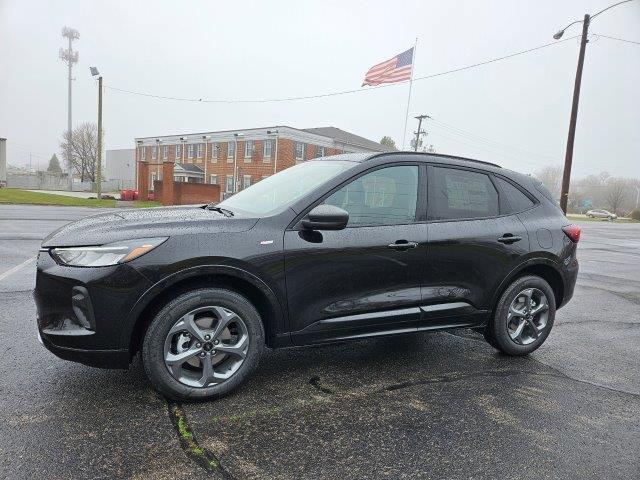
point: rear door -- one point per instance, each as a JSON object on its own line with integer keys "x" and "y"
{"x": 365, "y": 279}
{"x": 473, "y": 243}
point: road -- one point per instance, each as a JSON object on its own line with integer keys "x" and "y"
{"x": 442, "y": 405}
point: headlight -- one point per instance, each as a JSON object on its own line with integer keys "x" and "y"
{"x": 105, "y": 255}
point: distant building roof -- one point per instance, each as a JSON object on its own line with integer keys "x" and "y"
{"x": 349, "y": 138}
{"x": 330, "y": 137}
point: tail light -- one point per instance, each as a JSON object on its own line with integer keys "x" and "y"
{"x": 573, "y": 232}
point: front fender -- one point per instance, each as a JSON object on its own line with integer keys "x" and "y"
{"x": 167, "y": 282}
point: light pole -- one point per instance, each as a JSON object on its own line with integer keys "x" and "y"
{"x": 95, "y": 73}
{"x": 275, "y": 159}
{"x": 235, "y": 162}
{"x": 69, "y": 56}
{"x": 568, "y": 159}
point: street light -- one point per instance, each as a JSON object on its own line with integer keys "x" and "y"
{"x": 566, "y": 176}
{"x": 235, "y": 161}
{"x": 96, "y": 73}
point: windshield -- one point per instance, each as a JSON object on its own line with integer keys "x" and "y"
{"x": 277, "y": 192}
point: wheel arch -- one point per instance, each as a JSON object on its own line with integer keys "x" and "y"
{"x": 221, "y": 276}
{"x": 542, "y": 267}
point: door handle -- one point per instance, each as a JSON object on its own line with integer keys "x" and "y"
{"x": 402, "y": 245}
{"x": 509, "y": 238}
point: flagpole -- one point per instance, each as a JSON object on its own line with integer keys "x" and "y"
{"x": 406, "y": 117}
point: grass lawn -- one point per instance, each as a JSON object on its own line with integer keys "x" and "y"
{"x": 15, "y": 195}
{"x": 584, "y": 218}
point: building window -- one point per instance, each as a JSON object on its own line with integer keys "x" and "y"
{"x": 199, "y": 151}
{"x": 190, "y": 151}
{"x": 165, "y": 152}
{"x": 246, "y": 181}
{"x": 248, "y": 148}
{"x": 299, "y": 150}
{"x": 231, "y": 151}
{"x": 213, "y": 179}
{"x": 153, "y": 178}
{"x": 228, "y": 186}
{"x": 266, "y": 151}
{"x": 143, "y": 153}
{"x": 178, "y": 152}
{"x": 154, "y": 152}
{"x": 214, "y": 152}
{"x": 319, "y": 151}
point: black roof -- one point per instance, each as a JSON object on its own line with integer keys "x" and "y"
{"x": 363, "y": 157}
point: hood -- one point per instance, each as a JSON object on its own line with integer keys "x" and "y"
{"x": 144, "y": 223}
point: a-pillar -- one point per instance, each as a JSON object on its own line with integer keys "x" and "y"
{"x": 143, "y": 180}
{"x": 167, "y": 183}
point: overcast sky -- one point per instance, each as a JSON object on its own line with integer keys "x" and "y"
{"x": 514, "y": 112}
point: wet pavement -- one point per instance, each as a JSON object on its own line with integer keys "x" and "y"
{"x": 442, "y": 405}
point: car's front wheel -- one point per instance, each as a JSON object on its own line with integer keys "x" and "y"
{"x": 523, "y": 317}
{"x": 203, "y": 344}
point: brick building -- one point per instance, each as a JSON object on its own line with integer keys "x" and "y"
{"x": 235, "y": 159}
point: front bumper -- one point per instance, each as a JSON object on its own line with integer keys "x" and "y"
{"x": 81, "y": 311}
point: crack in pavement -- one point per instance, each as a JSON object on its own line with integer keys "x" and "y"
{"x": 203, "y": 457}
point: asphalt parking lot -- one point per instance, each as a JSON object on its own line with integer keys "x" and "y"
{"x": 442, "y": 405}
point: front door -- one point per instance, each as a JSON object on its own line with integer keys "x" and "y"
{"x": 473, "y": 245}
{"x": 365, "y": 279}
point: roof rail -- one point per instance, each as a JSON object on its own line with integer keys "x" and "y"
{"x": 453, "y": 157}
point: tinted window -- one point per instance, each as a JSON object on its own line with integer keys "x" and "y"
{"x": 514, "y": 200}
{"x": 383, "y": 197}
{"x": 456, "y": 194}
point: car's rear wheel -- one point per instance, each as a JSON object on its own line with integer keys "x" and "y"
{"x": 523, "y": 317}
{"x": 203, "y": 344}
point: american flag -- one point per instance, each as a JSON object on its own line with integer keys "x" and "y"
{"x": 396, "y": 69}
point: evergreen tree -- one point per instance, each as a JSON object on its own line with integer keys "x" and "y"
{"x": 54, "y": 165}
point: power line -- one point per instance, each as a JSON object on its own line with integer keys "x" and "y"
{"x": 618, "y": 39}
{"x": 344, "y": 92}
{"x": 490, "y": 142}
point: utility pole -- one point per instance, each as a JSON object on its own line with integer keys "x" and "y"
{"x": 69, "y": 56}
{"x": 419, "y": 132}
{"x": 568, "y": 158}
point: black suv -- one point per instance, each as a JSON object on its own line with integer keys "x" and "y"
{"x": 333, "y": 249}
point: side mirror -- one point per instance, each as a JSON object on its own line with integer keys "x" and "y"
{"x": 326, "y": 217}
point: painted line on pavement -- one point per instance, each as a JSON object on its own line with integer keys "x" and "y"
{"x": 13, "y": 270}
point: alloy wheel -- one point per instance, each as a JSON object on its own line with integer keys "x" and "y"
{"x": 206, "y": 346}
{"x": 528, "y": 315}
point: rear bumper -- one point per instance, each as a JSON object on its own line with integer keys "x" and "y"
{"x": 570, "y": 276}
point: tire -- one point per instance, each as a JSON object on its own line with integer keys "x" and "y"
{"x": 505, "y": 322}
{"x": 169, "y": 328}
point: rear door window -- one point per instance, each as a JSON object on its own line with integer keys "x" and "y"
{"x": 460, "y": 194}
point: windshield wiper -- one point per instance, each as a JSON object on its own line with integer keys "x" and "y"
{"x": 224, "y": 211}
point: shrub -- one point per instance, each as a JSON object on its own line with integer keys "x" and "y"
{"x": 635, "y": 214}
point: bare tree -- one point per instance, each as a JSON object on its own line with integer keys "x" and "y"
{"x": 84, "y": 150}
{"x": 616, "y": 193}
{"x": 551, "y": 176}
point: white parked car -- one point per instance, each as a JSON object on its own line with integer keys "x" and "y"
{"x": 601, "y": 214}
